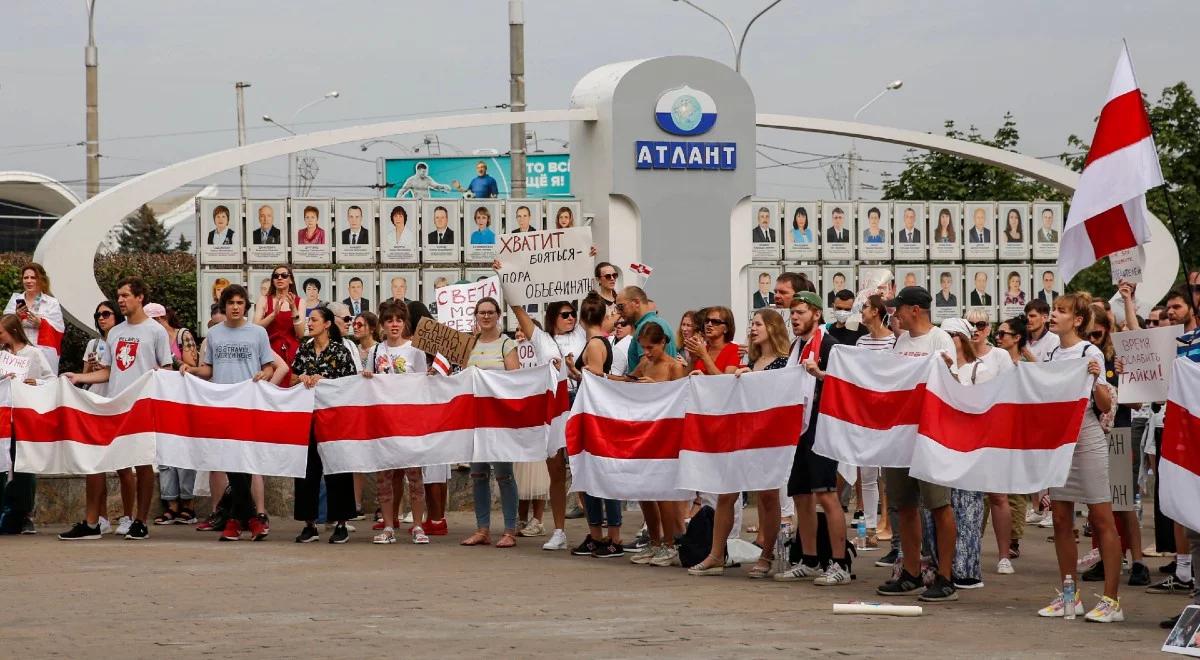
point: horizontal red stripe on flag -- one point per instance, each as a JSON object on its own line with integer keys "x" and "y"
{"x": 1003, "y": 426}
{"x": 1110, "y": 232}
{"x": 1181, "y": 438}
{"x": 665, "y": 438}
{"x": 50, "y": 336}
{"x": 67, "y": 423}
{"x": 463, "y": 412}
{"x": 870, "y": 408}
{"x": 1123, "y": 121}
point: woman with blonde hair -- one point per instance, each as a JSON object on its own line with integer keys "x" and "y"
{"x": 41, "y": 315}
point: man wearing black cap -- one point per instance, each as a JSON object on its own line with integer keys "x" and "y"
{"x": 919, "y": 337}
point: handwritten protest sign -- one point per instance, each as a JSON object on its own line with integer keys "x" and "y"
{"x": 1120, "y": 468}
{"x": 1147, "y": 356}
{"x": 456, "y": 302}
{"x": 433, "y": 338}
{"x": 1127, "y": 265}
{"x": 545, "y": 266}
{"x": 15, "y": 365}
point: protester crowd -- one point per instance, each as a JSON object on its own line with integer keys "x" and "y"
{"x": 932, "y": 537}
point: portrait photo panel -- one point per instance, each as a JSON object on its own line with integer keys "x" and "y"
{"x": 834, "y": 279}
{"x": 800, "y": 234}
{"x": 258, "y": 283}
{"x": 813, "y": 273}
{"x": 979, "y": 230}
{"x": 1045, "y": 283}
{"x": 400, "y": 285}
{"x": 433, "y": 279}
{"x": 981, "y": 287}
{"x": 1014, "y": 290}
{"x": 907, "y": 275}
{"x": 837, "y": 230}
{"x": 764, "y": 230}
{"x": 909, "y": 234}
{"x": 522, "y": 215}
{"x": 481, "y": 226}
{"x": 219, "y": 231}
{"x": 563, "y": 214}
{"x": 1046, "y": 229}
{"x": 315, "y": 287}
{"x": 762, "y": 286}
{"x": 1013, "y": 229}
{"x": 212, "y": 283}
{"x": 354, "y": 230}
{"x": 354, "y": 287}
{"x": 311, "y": 230}
{"x": 266, "y": 227}
{"x": 946, "y": 285}
{"x": 441, "y": 228}
{"x": 398, "y": 232}
{"x": 945, "y": 230}
{"x": 874, "y": 231}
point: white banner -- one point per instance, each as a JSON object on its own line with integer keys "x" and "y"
{"x": 456, "y": 302}
{"x": 545, "y": 266}
{"x": 1147, "y": 357}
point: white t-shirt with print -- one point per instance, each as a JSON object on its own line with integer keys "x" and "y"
{"x": 134, "y": 349}
{"x": 931, "y": 343}
{"x": 402, "y": 359}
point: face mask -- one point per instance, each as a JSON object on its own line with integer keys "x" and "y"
{"x": 841, "y": 315}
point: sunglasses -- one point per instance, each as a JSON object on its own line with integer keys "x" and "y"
{"x": 279, "y": 276}
{"x": 1151, "y": 323}
{"x": 713, "y": 322}
{"x": 566, "y": 315}
{"x": 1096, "y": 334}
{"x": 1005, "y": 333}
{"x": 102, "y": 315}
{"x": 981, "y": 325}
{"x": 608, "y": 276}
{"x": 359, "y": 325}
{"x": 347, "y": 319}
{"x": 622, "y": 324}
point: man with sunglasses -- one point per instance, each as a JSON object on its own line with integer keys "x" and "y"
{"x": 343, "y": 319}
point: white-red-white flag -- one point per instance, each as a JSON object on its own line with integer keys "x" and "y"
{"x": 1108, "y": 210}
{"x": 1179, "y": 460}
{"x": 50, "y": 329}
{"x": 441, "y": 364}
{"x": 1013, "y": 434}
{"x": 5, "y": 425}
{"x": 666, "y": 441}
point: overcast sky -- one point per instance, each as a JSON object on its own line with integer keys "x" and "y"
{"x": 167, "y": 71}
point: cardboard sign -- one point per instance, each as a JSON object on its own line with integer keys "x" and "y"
{"x": 456, "y": 302}
{"x": 1147, "y": 357}
{"x": 1120, "y": 468}
{"x": 545, "y": 266}
{"x": 1127, "y": 265}
{"x": 433, "y": 338}
{"x": 14, "y": 365}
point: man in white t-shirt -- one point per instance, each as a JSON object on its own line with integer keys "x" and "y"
{"x": 919, "y": 337}
{"x": 135, "y": 347}
{"x": 1041, "y": 341}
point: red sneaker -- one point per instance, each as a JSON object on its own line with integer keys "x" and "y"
{"x": 259, "y": 528}
{"x": 436, "y": 527}
{"x": 233, "y": 531}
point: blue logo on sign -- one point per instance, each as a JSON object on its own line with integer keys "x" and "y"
{"x": 685, "y": 111}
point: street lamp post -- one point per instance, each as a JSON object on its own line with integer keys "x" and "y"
{"x": 92, "y": 104}
{"x": 292, "y": 157}
{"x": 733, "y": 41}
{"x": 852, "y": 157}
{"x": 516, "y": 96}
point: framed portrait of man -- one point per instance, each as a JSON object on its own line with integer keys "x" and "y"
{"x": 834, "y": 279}
{"x": 837, "y": 231}
{"x": 482, "y": 219}
{"x": 398, "y": 232}
{"x": 909, "y": 234}
{"x": 355, "y": 231}
{"x": 907, "y": 275}
{"x": 315, "y": 287}
{"x": 266, "y": 231}
{"x": 354, "y": 287}
{"x": 874, "y": 231}
{"x": 433, "y": 279}
{"x": 981, "y": 293}
{"x": 945, "y": 283}
{"x": 399, "y": 285}
{"x": 311, "y": 231}
{"x": 219, "y": 231}
{"x": 563, "y": 214}
{"x": 762, "y": 286}
{"x": 979, "y": 230}
{"x": 212, "y": 283}
{"x": 1014, "y": 290}
{"x": 945, "y": 231}
{"x": 522, "y": 215}
{"x": 441, "y": 229}
{"x": 764, "y": 230}
{"x": 800, "y": 234}
{"x": 1045, "y": 283}
{"x": 1047, "y": 229}
{"x": 258, "y": 285}
{"x": 1013, "y": 230}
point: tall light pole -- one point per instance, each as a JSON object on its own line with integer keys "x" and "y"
{"x": 292, "y": 157}
{"x": 852, "y": 157}
{"x": 90, "y": 65}
{"x": 733, "y": 41}
{"x": 516, "y": 95}
{"x": 239, "y": 87}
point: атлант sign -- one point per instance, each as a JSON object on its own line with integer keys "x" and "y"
{"x": 688, "y": 112}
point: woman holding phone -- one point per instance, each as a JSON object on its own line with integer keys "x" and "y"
{"x": 40, "y": 314}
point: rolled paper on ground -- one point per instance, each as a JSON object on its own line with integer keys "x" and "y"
{"x": 877, "y": 608}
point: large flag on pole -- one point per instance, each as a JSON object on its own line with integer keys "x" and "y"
{"x": 1108, "y": 210}
{"x": 1179, "y": 460}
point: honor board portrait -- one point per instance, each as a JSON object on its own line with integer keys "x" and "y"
{"x": 1046, "y": 285}
{"x": 1014, "y": 290}
{"x": 442, "y": 230}
{"x": 266, "y": 227}
{"x": 563, "y": 214}
{"x": 522, "y": 215}
{"x": 762, "y": 286}
{"x": 398, "y": 232}
{"x": 837, "y": 233}
{"x": 1013, "y": 230}
{"x": 945, "y": 231}
{"x": 945, "y": 282}
{"x": 800, "y": 238}
{"x": 1047, "y": 229}
{"x": 981, "y": 288}
{"x": 433, "y": 279}
{"x": 979, "y": 230}
{"x": 212, "y": 283}
{"x": 220, "y": 231}
{"x": 310, "y": 229}
{"x": 910, "y": 234}
{"x": 835, "y": 279}
{"x": 354, "y": 228}
{"x": 355, "y": 288}
{"x": 874, "y": 227}
{"x": 910, "y": 276}
{"x": 398, "y": 286}
{"x": 315, "y": 288}
{"x": 482, "y": 222}
{"x": 764, "y": 230}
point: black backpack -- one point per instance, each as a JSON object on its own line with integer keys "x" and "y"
{"x": 696, "y": 541}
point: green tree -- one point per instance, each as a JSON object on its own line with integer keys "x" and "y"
{"x": 183, "y": 244}
{"x": 142, "y": 232}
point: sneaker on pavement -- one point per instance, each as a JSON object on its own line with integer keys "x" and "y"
{"x": 1005, "y": 567}
{"x": 340, "y": 535}
{"x": 888, "y": 560}
{"x": 608, "y": 550}
{"x": 940, "y": 591}
{"x": 185, "y": 517}
{"x": 309, "y": 534}
{"x": 387, "y": 536}
{"x": 643, "y": 555}
{"x": 640, "y": 541}
{"x": 123, "y": 525}
{"x": 799, "y": 571}
{"x": 1032, "y": 517}
{"x": 105, "y": 526}
{"x": 81, "y": 531}
{"x": 1106, "y": 611}
{"x": 27, "y": 526}
{"x": 137, "y": 531}
{"x": 903, "y": 585}
{"x": 1056, "y": 609}
{"x": 436, "y": 527}
{"x": 407, "y": 518}
{"x": 1167, "y": 569}
{"x": 1089, "y": 560}
{"x": 1046, "y": 522}
{"x": 573, "y": 511}
{"x": 666, "y": 555}
{"x": 835, "y": 576}
{"x": 233, "y": 531}
{"x": 1172, "y": 585}
{"x": 359, "y": 515}
{"x": 533, "y": 528}
{"x": 419, "y": 537}
{"x": 1014, "y": 549}
{"x": 968, "y": 583}
{"x": 260, "y": 527}
{"x": 215, "y": 522}
{"x": 558, "y": 541}
{"x": 1139, "y": 575}
{"x": 1093, "y": 574}
{"x": 586, "y": 548}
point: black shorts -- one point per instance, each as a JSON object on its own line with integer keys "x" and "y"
{"x": 811, "y": 472}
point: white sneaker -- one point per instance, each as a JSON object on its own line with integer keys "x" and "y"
{"x": 558, "y": 541}
{"x": 419, "y": 537}
{"x": 386, "y": 537}
{"x": 533, "y": 528}
{"x": 1047, "y": 521}
{"x": 1056, "y": 609}
{"x": 1005, "y": 567}
{"x": 1106, "y": 611}
{"x": 798, "y": 571}
{"x": 105, "y": 526}
{"x": 644, "y": 555}
{"x": 1034, "y": 517}
{"x": 407, "y": 518}
{"x": 123, "y": 526}
{"x": 665, "y": 556}
{"x": 835, "y": 576}
{"x": 1089, "y": 560}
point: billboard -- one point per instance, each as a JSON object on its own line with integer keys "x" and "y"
{"x": 547, "y": 175}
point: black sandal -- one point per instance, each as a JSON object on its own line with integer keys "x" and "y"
{"x": 167, "y": 517}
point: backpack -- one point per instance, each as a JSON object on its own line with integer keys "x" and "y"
{"x": 695, "y": 542}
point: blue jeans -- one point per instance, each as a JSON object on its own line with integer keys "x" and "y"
{"x": 481, "y": 482}
{"x": 599, "y": 510}
{"x": 175, "y": 483}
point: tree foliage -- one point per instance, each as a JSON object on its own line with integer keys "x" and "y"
{"x": 142, "y": 232}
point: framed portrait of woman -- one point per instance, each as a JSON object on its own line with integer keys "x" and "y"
{"x": 800, "y": 238}
{"x": 1014, "y": 230}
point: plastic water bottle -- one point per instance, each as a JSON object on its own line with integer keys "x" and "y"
{"x": 1137, "y": 506}
{"x": 781, "y": 548}
{"x": 1068, "y": 594}
{"x": 860, "y": 542}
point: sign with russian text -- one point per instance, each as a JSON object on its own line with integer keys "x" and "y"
{"x": 545, "y": 266}
{"x": 433, "y": 338}
{"x": 1127, "y": 265}
{"x": 456, "y": 302}
{"x": 671, "y": 155}
{"x": 1146, "y": 356}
